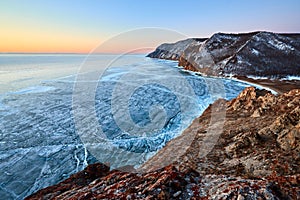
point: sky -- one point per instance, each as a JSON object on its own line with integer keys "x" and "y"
{"x": 79, "y": 26}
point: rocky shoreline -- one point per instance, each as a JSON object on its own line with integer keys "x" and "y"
{"x": 257, "y": 156}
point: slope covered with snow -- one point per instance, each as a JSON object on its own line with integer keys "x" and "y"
{"x": 251, "y": 54}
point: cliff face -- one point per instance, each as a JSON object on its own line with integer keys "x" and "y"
{"x": 174, "y": 51}
{"x": 256, "y": 156}
{"x": 256, "y": 54}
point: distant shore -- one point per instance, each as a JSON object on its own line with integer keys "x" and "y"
{"x": 279, "y": 86}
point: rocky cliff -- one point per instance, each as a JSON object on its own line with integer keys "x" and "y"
{"x": 253, "y": 54}
{"x": 256, "y": 155}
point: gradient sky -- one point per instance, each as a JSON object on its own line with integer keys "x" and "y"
{"x": 79, "y": 26}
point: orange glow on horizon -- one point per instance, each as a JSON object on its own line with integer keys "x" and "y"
{"x": 17, "y": 43}
{"x": 20, "y": 41}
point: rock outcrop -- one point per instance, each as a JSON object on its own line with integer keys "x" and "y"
{"x": 253, "y": 54}
{"x": 256, "y": 156}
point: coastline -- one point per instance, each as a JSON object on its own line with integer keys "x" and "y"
{"x": 248, "y": 57}
{"x": 276, "y": 86}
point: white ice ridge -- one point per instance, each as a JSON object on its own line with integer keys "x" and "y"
{"x": 76, "y": 158}
{"x": 85, "y": 163}
{"x": 34, "y": 89}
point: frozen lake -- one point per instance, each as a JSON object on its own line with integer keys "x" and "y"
{"x": 119, "y": 109}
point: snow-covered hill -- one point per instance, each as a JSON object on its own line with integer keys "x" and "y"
{"x": 250, "y": 54}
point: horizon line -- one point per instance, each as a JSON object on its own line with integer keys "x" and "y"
{"x": 112, "y": 53}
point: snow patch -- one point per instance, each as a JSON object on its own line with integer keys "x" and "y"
{"x": 257, "y": 77}
{"x": 280, "y": 45}
{"x": 289, "y": 78}
{"x": 254, "y": 51}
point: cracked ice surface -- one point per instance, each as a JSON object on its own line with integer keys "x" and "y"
{"x": 39, "y": 145}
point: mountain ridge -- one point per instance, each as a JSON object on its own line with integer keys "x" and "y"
{"x": 260, "y": 53}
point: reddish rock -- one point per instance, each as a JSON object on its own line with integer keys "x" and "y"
{"x": 80, "y": 179}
